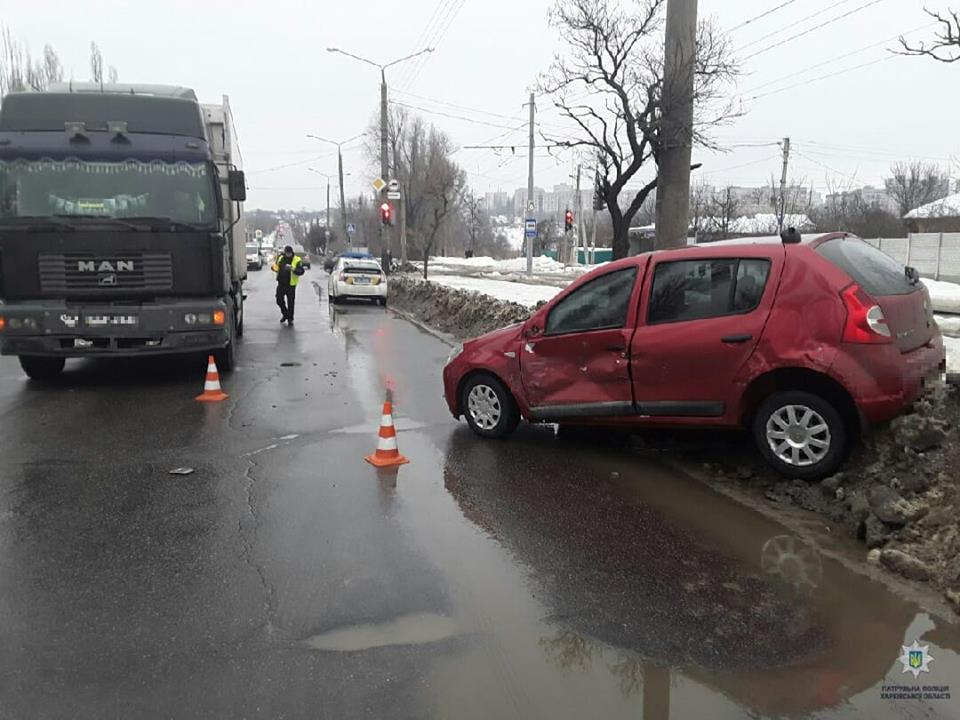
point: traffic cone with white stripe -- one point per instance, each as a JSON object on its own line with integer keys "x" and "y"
{"x": 387, "y": 454}
{"x": 211, "y": 388}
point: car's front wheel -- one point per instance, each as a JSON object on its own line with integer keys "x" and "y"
{"x": 800, "y": 434}
{"x": 489, "y": 407}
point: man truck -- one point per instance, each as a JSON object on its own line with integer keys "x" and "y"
{"x": 121, "y": 225}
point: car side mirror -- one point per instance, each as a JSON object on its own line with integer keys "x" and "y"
{"x": 237, "y": 185}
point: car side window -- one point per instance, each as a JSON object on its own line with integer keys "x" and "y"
{"x": 699, "y": 289}
{"x": 601, "y": 304}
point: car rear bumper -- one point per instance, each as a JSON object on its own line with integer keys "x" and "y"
{"x": 361, "y": 291}
{"x": 885, "y": 383}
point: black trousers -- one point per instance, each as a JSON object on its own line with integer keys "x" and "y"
{"x": 286, "y": 297}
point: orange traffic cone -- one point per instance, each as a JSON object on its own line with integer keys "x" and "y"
{"x": 387, "y": 454}
{"x": 211, "y": 388}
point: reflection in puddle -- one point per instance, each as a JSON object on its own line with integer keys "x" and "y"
{"x": 415, "y": 629}
{"x": 793, "y": 561}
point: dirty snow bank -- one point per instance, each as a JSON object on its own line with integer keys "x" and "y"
{"x": 541, "y": 264}
{"x": 461, "y": 313}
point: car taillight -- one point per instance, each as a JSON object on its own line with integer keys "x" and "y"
{"x": 865, "y": 320}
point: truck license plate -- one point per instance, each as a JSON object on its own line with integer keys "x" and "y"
{"x": 110, "y": 320}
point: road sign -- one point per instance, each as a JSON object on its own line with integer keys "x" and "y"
{"x": 393, "y": 194}
{"x": 530, "y": 228}
{"x": 379, "y": 184}
{"x": 258, "y": 234}
{"x": 351, "y": 228}
{"x": 531, "y": 207}
{"x": 394, "y": 185}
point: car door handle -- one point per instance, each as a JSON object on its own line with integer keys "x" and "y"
{"x": 736, "y": 338}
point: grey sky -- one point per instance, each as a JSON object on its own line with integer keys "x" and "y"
{"x": 270, "y": 58}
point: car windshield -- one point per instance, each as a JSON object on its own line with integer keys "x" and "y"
{"x": 253, "y": 248}
{"x": 180, "y": 191}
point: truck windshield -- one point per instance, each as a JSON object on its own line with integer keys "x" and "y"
{"x": 180, "y": 191}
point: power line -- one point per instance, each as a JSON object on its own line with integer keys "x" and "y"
{"x": 822, "y": 77}
{"x": 455, "y": 106}
{"x": 423, "y": 36}
{"x": 793, "y": 25}
{"x": 815, "y": 27}
{"x": 742, "y": 165}
{"x": 441, "y": 30}
{"x": 450, "y": 115}
{"x": 293, "y": 164}
{"x": 825, "y": 166}
{"x": 761, "y": 15}
{"x": 840, "y": 57}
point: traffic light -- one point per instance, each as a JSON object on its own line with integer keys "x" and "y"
{"x": 568, "y": 221}
{"x": 386, "y": 214}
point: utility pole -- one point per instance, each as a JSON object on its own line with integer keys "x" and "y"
{"x": 343, "y": 201}
{"x": 782, "y": 209}
{"x": 530, "y": 183}
{"x": 384, "y": 167}
{"x": 673, "y": 182}
{"x": 578, "y": 236}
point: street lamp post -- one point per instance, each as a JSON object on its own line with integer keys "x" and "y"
{"x": 384, "y": 156}
{"x": 343, "y": 202}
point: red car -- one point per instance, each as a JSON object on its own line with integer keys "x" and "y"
{"x": 806, "y": 343}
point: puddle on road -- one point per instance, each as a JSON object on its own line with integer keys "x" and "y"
{"x": 400, "y": 423}
{"x": 415, "y": 629}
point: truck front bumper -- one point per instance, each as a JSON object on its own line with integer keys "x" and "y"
{"x": 58, "y": 329}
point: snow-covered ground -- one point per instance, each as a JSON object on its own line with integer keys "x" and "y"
{"x": 944, "y": 296}
{"x": 500, "y": 289}
{"x": 541, "y": 265}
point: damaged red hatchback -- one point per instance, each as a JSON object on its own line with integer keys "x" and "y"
{"x": 805, "y": 343}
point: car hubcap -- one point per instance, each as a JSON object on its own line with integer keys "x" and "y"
{"x": 484, "y": 406}
{"x": 798, "y": 435}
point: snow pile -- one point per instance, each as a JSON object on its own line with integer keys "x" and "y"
{"x": 766, "y": 224}
{"x": 541, "y": 265}
{"x": 944, "y": 207}
{"x": 944, "y": 296}
{"x": 520, "y": 293}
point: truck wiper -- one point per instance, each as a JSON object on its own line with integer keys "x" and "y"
{"x": 36, "y": 222}
{"x": 158, "y": 222}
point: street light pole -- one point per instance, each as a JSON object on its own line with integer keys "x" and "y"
{"x": 343, "y": 202}
{"x": 384, "y": 150}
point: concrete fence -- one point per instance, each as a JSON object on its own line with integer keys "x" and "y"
{"x": 934, "y": 255}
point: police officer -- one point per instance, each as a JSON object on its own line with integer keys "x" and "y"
{"x": 289, "y": 268}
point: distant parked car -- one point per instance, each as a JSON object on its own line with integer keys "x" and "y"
{"x": 357, "y": 278}
{"x": 804, "y": 343}
{"x": 330, "y": 261}
{"x": 304, "y": 256}
{"x": 254, "y": 257}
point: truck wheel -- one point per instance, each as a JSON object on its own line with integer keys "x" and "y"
{"x": 489, "y": 407}
{"x": 227, "y": 357}
{"x": 800, "y": 434}
{"x": 42, "y": 368}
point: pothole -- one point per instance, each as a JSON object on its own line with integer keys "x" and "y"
{"x": 414, "y": 629}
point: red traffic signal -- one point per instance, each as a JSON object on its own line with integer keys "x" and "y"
{"x": 386, "y": 214}
{"x": 568, "y": 221}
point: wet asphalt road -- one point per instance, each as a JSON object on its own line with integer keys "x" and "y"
{"x": 285, "y": 578}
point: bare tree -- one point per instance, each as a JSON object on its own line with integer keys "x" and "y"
{"x": 945, "y": 45}
{"x": 917, "y": 183}
{"x": 701, "y": 198}
{"x": 112, "y": 74}
{"x": 609, "y": 85}
{"x": 441, "y": 190}
{"x": 52, "y": 67}
{"x": 96, "y": 63}
{"x": 724, "y": 208}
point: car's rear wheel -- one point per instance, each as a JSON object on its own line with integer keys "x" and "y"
{"x": 42, "y": 368}
{"x": 800, "y": 434}
{"x": 489, "y": 407}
